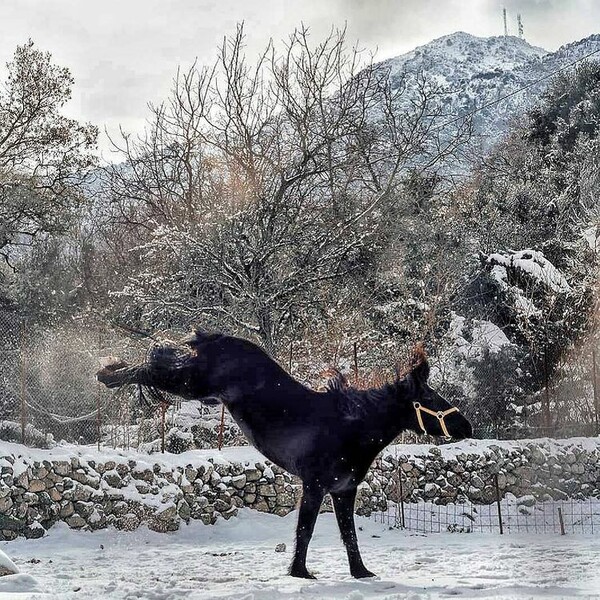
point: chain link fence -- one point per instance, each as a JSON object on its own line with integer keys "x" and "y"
{"x": 48, "y": 390}
{"x": 49, "y": 393}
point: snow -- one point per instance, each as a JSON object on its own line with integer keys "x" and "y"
{"x": 535, "y": 264}
{"x": 498, "y": 273}
{"x": 16, "y": 582}
{"x": 16, "y": 586}
{"x": 474, "y": 72}
{"x": 590, "y": 235}
{"x": 237, "y": 559}
{"x": 549, "y": 446}
{"x": 248, "y": 455}
{"x": 24, "y": 456}
{"x": 483, "y": 334}
{"x": 471, "y": 54}
{"x": 6, "y": 563}
{"x": 488, "y": 335}
{"x": 471, "y": 72}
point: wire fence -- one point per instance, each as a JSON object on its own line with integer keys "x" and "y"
{"x": 504, "y": 516}
{"x": 49, "y": 393}
{"x": 47, "y": 390}
{"x": 496, "y": 510}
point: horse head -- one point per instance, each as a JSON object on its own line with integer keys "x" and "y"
{"x": 430, "y": 413}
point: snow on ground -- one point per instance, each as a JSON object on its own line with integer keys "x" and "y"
{"x": 236, "y": 559}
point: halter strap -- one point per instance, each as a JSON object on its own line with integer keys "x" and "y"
{"x": 440, "y": 414}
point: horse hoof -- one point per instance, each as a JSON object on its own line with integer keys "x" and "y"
{"x": 362, "y": 574}
{"x": 302, "y": 573}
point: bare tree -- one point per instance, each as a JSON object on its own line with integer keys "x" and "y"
{"x": 256, "y": 186}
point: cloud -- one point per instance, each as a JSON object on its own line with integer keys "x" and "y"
{"x": 399, "y": 25}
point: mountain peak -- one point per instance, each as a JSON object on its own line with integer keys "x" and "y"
{"x": 495, "y": 78}
{"x": 475, "y": 54}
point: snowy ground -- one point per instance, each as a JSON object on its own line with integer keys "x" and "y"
{"x": 236, "y": 559}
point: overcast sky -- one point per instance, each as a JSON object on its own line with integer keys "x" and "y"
{"x": 124, "y": 53}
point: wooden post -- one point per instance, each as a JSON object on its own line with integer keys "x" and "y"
{"x": 498, "y": 503}
{"x": 355, "y": 362}
{"x": 163, "y": 412}
{"x": 546, "y": 403}
{"x": 561, "y": 521}
{"x": 23, "y": 383}
{"x": 221, "y": 427}
{"x": 596, "y": 401}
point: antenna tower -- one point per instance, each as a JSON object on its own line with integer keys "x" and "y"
{"x": 520, "y": 26}
{"x": 505, "y": 24}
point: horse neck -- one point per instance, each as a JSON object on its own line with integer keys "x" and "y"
{"x": 266, "y": 381}
{"x": 387, "y": 413}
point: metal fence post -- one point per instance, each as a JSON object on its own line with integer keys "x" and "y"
{"x": 561, "y": 521}
{"x": 402, "y": 519}
{"x": 163, "y": 411}
{"x": 221, "y": 427}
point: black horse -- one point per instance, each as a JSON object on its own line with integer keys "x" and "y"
{"x": 329, "y": 439}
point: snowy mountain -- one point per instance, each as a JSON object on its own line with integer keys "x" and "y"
{"x": 472, "y": 72}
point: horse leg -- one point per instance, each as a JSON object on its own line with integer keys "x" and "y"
{"x": 312, "y": 496}
{"x": 343, "y": 504}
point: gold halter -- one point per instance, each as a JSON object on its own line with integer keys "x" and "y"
{"x": 440, "y": 414}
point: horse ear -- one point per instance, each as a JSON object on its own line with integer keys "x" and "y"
{"x": 420, "y": 368}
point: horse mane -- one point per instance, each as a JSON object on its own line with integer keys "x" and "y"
{"x": 337, "y": 380}
{"x": 161, "y": 357}
{"x": 419, "y": 354}
{"x": 354, "y": 402}
{"x": 416, "y": 359}
{"x": 199, "y": 336}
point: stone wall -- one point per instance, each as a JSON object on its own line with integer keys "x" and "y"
{"x": 545, "y": 469}
{"x": 94, "y": 493}
{"x": 92, "y": 490}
